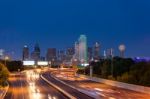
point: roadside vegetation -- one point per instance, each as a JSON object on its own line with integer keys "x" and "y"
{"x": 4, "y": 74}
{"x": 121, "y": 69}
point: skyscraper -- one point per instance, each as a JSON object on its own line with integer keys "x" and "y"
{"x": 61, "y": 55}
{"x": 69, "y": 53}
{"x": 110, "y": 53}
{"x": 25, "y": 54}
{"x": 97, "y": 51}
{"x": 83, "y": 49}
{"x": 51, "y": 54}
{"x": 76, "y": 55}
{"x": 90, "y": 53}
{"x": 2, "y": 53}
{"x": 35, "y": 55}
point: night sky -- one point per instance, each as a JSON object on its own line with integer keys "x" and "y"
{"x": 59, "y": 23}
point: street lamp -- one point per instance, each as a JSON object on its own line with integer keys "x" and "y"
{"x": 112, "y": 66}
{"x": 91, "y": 68}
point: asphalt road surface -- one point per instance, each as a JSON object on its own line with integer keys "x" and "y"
{"x": 73, "y": 92}
{"x": 23, "y": 87}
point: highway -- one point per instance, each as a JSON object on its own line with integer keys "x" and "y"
{"x": 73, "y": 92}
{"x": 48, "y": 92}
{"x": 102, "y": 90}
{"x": 31, "y": 86}
{"x": 18, "y": 87}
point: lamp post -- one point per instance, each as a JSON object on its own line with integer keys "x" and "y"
{"x": 112, "y": 66}
{"x": 91, "y": 68}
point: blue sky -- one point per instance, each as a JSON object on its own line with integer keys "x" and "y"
{"x": 58, "y": 23}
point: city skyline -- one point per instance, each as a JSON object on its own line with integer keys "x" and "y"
{"x": 58, "y": 23}
{"x": 12, "y": 53}
{"x": 74, "y": 49}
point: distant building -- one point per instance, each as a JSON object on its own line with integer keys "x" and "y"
{"x": 2, "y": 53}
{"x": 97, "y": 51}
{"x": 81, "y": 49}
{"x": 61, "y": 55}
{"x": 109, "y": 53}
{"x": 76, "y": 47}
{"x": 69, "y": 53}
{"x": 35, "y": 55}
{"x": 25, "y": 53}
{"x": 90, "y": 53}
{"x": 51, "y": 54}
{"x": 42, "y": 58}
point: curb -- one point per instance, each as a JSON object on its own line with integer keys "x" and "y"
{"x": 80, "y": 90}
{"x": 59, "y": 89}
{"x": 5, "y": 92}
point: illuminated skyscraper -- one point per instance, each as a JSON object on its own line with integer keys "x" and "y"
{"x": 69, "y": 53}
{"x": 35, "y": 55}
{"x": 2, "y": 53}
{"x": 110, "y": 53}
{"x": 90, "y": 53}
{"x": 51, "y": 54}
{"x": 83, "y": 49}
{"x": 61, "y": 55}
{"x": 76, "y": 55}
{"x": 97, "y": 51}
{"x": 25, "y": 55}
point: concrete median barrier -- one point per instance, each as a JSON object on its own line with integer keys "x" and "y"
{"x": 59, "y": 89}
{"x": 95, "y": 96}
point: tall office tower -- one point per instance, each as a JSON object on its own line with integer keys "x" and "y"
{"x": 69, "y": 53}
{"x": 97, "y": 51}
{"x": 90, "y": 53}
{"x": 35, "y": 55}
{"x": 61, "y": 55}
{"x": 76, "y": 47}
{"x": 2, "y": 53}
{"x": 51, "y": 54}
{"x": 104, "y": 56}
{"x": 83, "y": 49}
{"x": 25, "y": 54}
{"x": 110, "y": 53}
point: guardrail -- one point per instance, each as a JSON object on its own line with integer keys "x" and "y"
{"x": 132, "y": 87}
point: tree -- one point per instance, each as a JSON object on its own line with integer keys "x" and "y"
{"x": 139, "y": 74}
{"x": 14, "y": 65}
{"x": 106, "y": 68}
{"x": 4, "y": 73}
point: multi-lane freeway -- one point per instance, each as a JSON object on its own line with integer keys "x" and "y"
{"x": 17, "y": 87}
{"x": 31, "y": 87}
{"x": 71, "y": 91}
{"x": 101, "y": 90}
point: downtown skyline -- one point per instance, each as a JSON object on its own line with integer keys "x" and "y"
{"x": 59, "y": 23}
